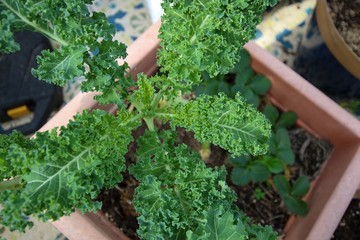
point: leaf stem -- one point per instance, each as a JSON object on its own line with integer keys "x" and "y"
{"x": 133, "y": 119}
{"x": 150, "y": 123}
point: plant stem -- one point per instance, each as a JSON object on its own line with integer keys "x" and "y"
{"x": 133, "y": 119}
{"x": 205, "y": 150}
{"x": 150, "y": 123}
{"x": 12, "y": 184}
{"x": 156, "y": 100}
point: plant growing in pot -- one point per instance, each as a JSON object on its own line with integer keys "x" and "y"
{"x": 329, "y": 54}
{"x": 64, "y": 169}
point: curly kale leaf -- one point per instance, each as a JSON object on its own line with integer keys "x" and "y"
{"x": 179, "y": 197}
{"x": 219, "y": 225}
{"x": 87, "y": 48}
{"x": 13, "y": 162}
{"x": 60, "y": 66}
{"x": 174, "y": 191}
{"x": 230, "y": 123}
{"x": 69, "y": 168}
{"x": 7, "y": 41}
{"x": 198, "y": 36}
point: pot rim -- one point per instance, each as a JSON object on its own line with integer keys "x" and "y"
{"x": 334, "y": 41}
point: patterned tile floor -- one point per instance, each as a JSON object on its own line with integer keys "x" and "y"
{"x": 279, "y": 33}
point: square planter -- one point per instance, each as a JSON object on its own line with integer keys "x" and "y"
{"x": 330, "y": 193}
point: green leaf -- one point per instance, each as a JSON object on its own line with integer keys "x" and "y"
{"x": 282, "y": 185}
{"x": 282, "y": 148}
{"x": 240, "y": 161}
{"x": 244, "y": 77}
{"x": 148, "y": 144}
{"x": 286, "y": 120}
{"x": 175, "y": 190}
{"x": 70, "y": 168}
{"x": 255, "y": 172}
{"x": 219, "y": 225}
{"x": 143, "y": 96}
{"x": 199, "y": 36}
{"x": 273, "y": 164}
{"x": 12, "y": 160}
{"x": 58, "y": 67}
{"x": 7, "y": 41}
{"x": 296, "y": 205}
{"x": 259, "y": 173}
{"x": 243, "y": 62}
{"x": 262, "y": 233}
{"x": 241, "y": 176}
{"x": 286, "y": 155}
{"x": 300, "y": 187}
{"x": 230, "y": 123}
{"x": 271, "y": 113}
{"x": 260, "y": 84}
{"x": 251, "y": 97}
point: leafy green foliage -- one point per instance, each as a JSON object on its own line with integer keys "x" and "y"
{"x": 7, "y": 41}
{"x": 279, "y": 156}
{"x": 252, "y": 86}
{"x": 280, "y": 147}
{"x": 283, "y": 120}
{"x": 70, "y": 168}
{"x": 13, "y": 162}
{"x": 205, "y": 36}
{"x": 219, "y": 225}
{"x": 259, "y": 194}
{"x": 242, "y": 80}
{"x": 292, "y": 194}
{"x": 86, "y": 40}
{"x": 246, "y": 170}
{"x": 176, "y": 197}
{"x": 230, "y": 123}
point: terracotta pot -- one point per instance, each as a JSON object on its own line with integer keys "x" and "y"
{"x": 335, "y": 42}
{"x": 334, "y": 188}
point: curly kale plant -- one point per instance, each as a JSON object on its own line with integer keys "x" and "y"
{"x": 58, "y": 171}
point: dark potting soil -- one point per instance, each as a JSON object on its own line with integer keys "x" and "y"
{"x": 346, "y": 17}
{"x": 349, "y": 226}
{"x": 310, "y": 154}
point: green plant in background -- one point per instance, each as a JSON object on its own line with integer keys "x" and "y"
{"x": 293, "y": 193}
{"x": 242, "y": 80}
{"x": 178, "y": 197}
{"x": 260, "y": 168}
{"x": 351, "y": 105}
{"x": 259, "y": 194}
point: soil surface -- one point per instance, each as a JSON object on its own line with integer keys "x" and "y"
{"x": 346, "y": 17}
{"x": 310, "y": 154}
{"x": 349, "y": 226}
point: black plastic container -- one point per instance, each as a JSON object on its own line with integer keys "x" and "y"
{"x": 25, "y": 101}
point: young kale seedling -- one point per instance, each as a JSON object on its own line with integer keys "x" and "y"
{"x": 178, "y": 197}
